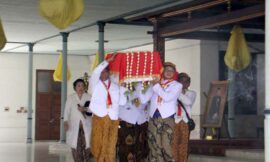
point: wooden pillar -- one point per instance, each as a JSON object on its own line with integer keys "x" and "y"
{"x": 158, "y": 42}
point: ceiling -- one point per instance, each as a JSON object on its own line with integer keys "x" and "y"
{"x": 22, "y": 23}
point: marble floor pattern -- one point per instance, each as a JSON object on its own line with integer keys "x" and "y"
{"x": 55, "y": 152}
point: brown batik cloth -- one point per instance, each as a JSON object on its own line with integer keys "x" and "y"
{"x": 180, "y": 142}
{"x": 104, "y": 138}
{"x": 80, "y": 154}
{"x": 132, "y": 142}
{"x": 160, "y": 136}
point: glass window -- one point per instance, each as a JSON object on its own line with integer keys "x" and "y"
{"x": 43, "y": 81}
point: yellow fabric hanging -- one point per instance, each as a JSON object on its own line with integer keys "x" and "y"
{"x": 57, "y": 75}
{"x": 3, "y": 39}
{"x": 95, "y": 62}
{"x": 61, "y": 13}
{"x": 237, "y": 56}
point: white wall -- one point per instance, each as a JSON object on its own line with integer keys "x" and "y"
{"x": 13, "y": 93}
{"x": 209, "y": 68}
{"x": 14, "y": 89}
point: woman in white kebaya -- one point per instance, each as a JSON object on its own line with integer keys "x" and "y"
{"x": 77, "y": 123}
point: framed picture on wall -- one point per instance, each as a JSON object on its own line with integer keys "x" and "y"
{"x": 215, "y": 104}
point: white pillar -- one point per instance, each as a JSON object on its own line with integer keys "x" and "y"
{"x": 30, "y": 88}
{"x": 101, "y": 26}
{"x": 267, "y": 81}
{"x": 63, "y": 85}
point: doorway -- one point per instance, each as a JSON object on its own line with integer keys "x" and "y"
{"x": 48, "y": 106}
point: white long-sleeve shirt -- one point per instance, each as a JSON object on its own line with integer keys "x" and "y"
{"x": 98, "y": 103}
{"x": 129, "y": 112}
{"x": 73, "y": 116}
{"x": 188, "y": 100}
{"x": 169, "y": 96}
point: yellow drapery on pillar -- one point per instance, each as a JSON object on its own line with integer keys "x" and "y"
{"x": 237, "y": 56}
{"x": 3, "y": 39}
{"x": 57, "y": 75}
{"x": 61, "y": 13}
{"x": 94, "y": 63}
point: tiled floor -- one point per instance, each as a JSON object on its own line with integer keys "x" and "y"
{"x": 37, "y": 152}
{"x": 55, "y": 152}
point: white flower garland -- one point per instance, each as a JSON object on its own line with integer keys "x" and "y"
{"x": 127, "y": 68}
{"x": 138, "y": 64}
{"x": 151, "y": 64}
{"x": 130, "y": 70}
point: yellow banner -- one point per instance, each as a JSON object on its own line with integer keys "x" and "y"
{"x": 3, "y": 39}
{"x": 57, "y": 75}
{"x": 95, "y": 62}
{"x": 61, "y": 13}
{"x": 237, "y": 56}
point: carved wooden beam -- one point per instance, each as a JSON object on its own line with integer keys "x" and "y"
{"x": 213, "y": 21}
{"x": 222, "y": 36}
{"x": 192, "y": 5}
{"x": 158, "y": 42}
{"x": 193, "y": 8}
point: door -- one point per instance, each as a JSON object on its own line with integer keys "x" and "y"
{"x": 48, "y": 106}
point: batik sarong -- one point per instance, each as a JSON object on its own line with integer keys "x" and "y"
{"x": 132, "y": 142}
{"x": 160, "y": 137}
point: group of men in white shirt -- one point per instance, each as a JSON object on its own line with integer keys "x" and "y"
{"x": 147, "y": 119}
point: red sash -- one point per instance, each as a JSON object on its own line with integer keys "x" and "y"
{"x": 109, "y": 99}
{"x": 179, "y": 112}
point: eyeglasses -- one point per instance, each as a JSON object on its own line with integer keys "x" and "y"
{"x": 169, "y": 70}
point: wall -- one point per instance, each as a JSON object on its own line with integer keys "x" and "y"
{"x": 14, "y": 89}
{"x": 209, "y": 71}
{"x": 209, "y": 68}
